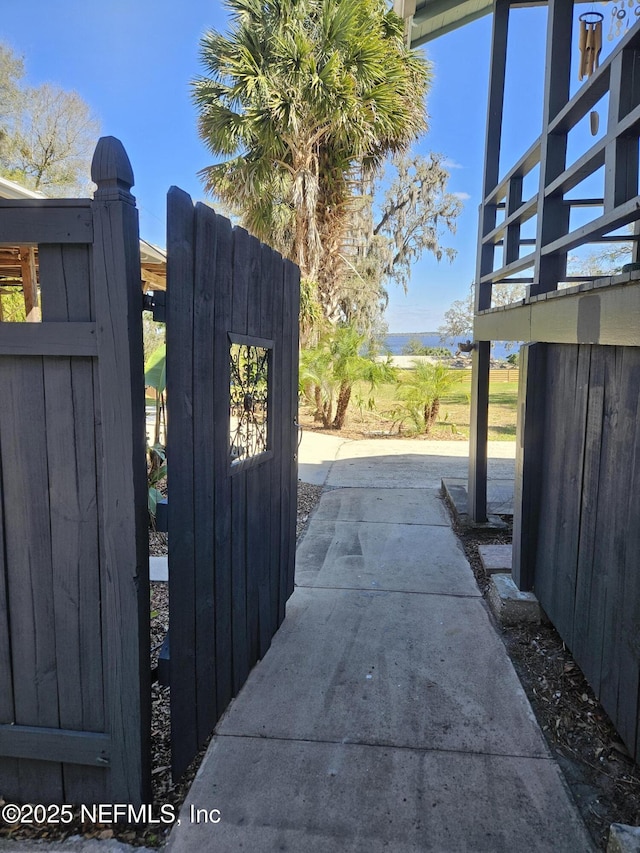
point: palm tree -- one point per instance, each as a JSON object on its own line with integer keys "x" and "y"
{"x": 422, "y": 391}
{"x": 331, "y": 369}
{"x": 296, "y": 96}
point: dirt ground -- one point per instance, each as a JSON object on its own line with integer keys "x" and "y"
{"x": 604, "y": 780}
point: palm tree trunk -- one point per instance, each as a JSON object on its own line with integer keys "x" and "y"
{"x": 431, "y": 415}
{"x": 317, "y": 393}
{"x": 343, "y": 402}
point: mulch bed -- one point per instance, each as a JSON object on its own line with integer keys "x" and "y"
{"x": 604, "y": 780}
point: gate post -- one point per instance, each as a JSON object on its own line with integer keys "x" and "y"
{"x": 125, "y": 577}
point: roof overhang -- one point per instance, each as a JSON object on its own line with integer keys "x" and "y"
{"x": 153, "y": 260}
{"x": 425, "y": 20}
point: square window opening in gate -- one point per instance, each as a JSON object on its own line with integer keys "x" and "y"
{"x": 250, "y": 362}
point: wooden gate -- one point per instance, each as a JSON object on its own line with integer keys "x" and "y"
{"x": 74, "y": 593}
{"x": 232, "y": 377}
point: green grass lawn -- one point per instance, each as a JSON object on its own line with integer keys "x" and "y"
{"x": 455, "y": 409}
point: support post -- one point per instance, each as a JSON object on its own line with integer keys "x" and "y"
{"x": 477, "y": 487}
{"x": 529, "y": 441}
{"x": 118, "y": 309}
{"x": 477, "y": 482}
{"x": 29, "y": 283}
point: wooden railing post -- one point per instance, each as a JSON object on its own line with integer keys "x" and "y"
{"x": 125, "y": 576}
{"x": 477, "y": 483}
{"x": 553, "y": 213}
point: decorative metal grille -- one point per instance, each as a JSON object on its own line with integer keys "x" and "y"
{"x": 249, "y": 367}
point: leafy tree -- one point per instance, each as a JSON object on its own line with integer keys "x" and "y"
{"x": 48, "y": 134}
{"x": 422, "y": 391}
{"x": 458, "y": 319}
{"x": 390, "y": 230}
{"x": 328, "y": 372}
{"x": 300, "y": 96}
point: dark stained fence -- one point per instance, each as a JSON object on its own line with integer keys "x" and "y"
{"x": 582, "y": 496}
{"x": 232, "y": 510}
{"x": 74, "y": 600}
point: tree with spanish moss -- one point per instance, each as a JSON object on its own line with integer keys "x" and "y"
{"x": 300, "y": 99}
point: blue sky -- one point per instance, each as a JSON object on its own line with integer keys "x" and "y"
{"x": 132, "y": 61}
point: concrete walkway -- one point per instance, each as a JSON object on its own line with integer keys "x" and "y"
{"x": 386, "y": 715}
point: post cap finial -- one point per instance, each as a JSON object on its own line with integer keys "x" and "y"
{"x": 111, "y": 171}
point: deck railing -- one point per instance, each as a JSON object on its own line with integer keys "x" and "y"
{"x": 617, "y": 151}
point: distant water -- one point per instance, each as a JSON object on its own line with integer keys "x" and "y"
{"x": 395, "y": 343}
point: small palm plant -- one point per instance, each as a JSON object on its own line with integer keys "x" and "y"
{"x": 329, "y": 371}
{"x": 422, "y": 391}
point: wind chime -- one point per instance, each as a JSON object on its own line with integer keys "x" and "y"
{"x": 590, "y": 42}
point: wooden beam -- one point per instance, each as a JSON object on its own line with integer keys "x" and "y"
{"x": 608, "y": 315}
{"x": 59, "y": 745}
{"x": 72, "y": 339}
{"x": 22, "y": 223}
{"x": 29, "y": 283}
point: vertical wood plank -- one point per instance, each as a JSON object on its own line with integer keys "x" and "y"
{"x": 273, "y": 284}
{"x": 567, "y": 384}
{"x": 205, "y": 610}
{"x": 291, "y": 310}
{"x": 72, "y": 462}
{"x": 231, "y": 665}
{"x": 258, "y": 510}
{"x": 180, "y": 467}
{"x": 587, "y": 572}
{"x": 242, "y": 247}
{"x": 28, "y": 557}
{"x": 8, "y": 766}
{"x": 614, "y": 497}
{"x": 293, "y": 276}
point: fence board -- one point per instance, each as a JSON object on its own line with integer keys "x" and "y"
{"x": 586, "y": 649}
{"x": 257, "y": 526}
{"x": 48, "y": 339}
{"x": 182, "y": 592}
{"x": 271, "y": 327}
{"x": 72, "y": 463}
{"x": 567, "y": 375}
{"x": 203, "y": 332}
{"x": 32, "y": 222}
{"x": 231, "y": 664}
{"x": 28, "y": 556}
{"x": 8, "y": 766}
{"x": 618, "y": 434}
